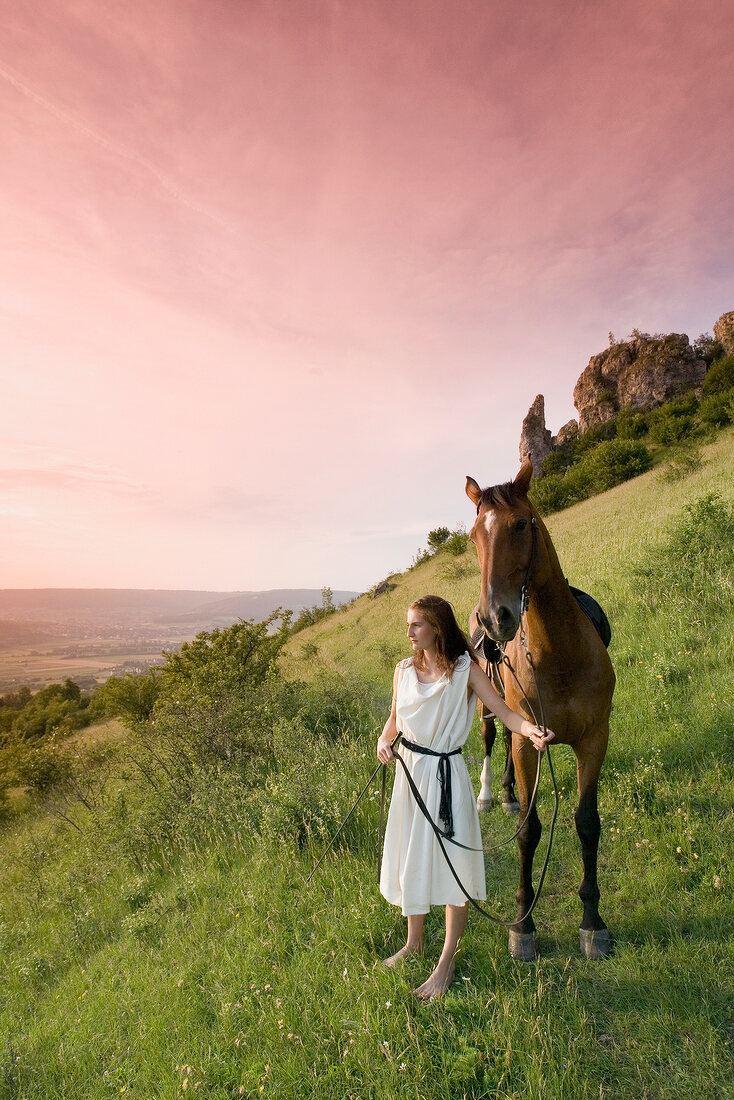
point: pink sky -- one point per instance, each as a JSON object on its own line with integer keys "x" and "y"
{"x": 277, "y": 275}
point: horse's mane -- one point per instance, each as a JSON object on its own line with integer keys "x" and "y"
{"x": 501, "y": 496}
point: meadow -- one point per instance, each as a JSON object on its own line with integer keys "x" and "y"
{"x": 158, "y": 936}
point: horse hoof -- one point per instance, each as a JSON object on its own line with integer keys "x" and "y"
{"x": 523, "y": 946}
{"x": 511, "y": 808}
{"x": 595, "y": 944}
{"x": 485, "y": 804}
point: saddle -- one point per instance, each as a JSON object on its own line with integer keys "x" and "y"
{"x": 594, "y": 612}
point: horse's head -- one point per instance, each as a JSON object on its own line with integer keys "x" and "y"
{"x": 506, "y": 537}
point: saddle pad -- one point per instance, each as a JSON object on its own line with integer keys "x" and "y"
{"x": 594, "y": 612}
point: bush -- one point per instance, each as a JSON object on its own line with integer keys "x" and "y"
{"x": 616, "y": 461}
{"x": 130, "y": 697}
{"x": 720, "y": 376}
{"x": 420, "y": 557}
{"x": 717, "y": 409}
{"x": 630, "y": 423}
{"x": 673, "y": 421}
{"x": 58, "y": 707}
{"x": 45, "y": 767}
{"x": 221, "y": 664}
{"x": 707, "y": 347}
{"x": 611, "y": 462}
{"x": 559, "y": 491}
{"x": 556, "y": 462}
{"x": 310, "y": 615}
{"x": 695, "y": 565}
{"x": 457, "y": 542}
{"x": 337, "y": 706}
{"x": 588, "y": 440}
{"x": 438, "y": 537}
{"x": 683, "y": 460}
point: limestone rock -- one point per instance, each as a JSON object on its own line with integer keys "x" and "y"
{"x": 642, "y": 372}
{"x": 535, "y": 439}
{"x": 724, "y": 332}
{"x": 381, "y": 588}
{"x": 568, "y": 432}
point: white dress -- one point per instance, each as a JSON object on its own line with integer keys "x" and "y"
{"x": 415, "y": 874}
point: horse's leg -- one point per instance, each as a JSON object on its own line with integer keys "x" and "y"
{"x": 509, "y": 803}
{"x": 522, "y": 933}
{"x": 593, "y": 934}
{"x": 489, "y": 732}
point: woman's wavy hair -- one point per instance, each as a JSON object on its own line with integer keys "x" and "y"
{"x": 450, "y": 639}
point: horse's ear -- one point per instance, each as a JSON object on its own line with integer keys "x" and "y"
{"x": 473, "y": 491}
{"x": 522, "y": 481}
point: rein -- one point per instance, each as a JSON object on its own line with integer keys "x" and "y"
{"x": 447, "y": 835}
{"x": 441, "y": 835}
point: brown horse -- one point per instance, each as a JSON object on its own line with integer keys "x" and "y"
{"x": 564, "y": 674}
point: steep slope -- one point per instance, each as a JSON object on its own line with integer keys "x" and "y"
{"x": 597, "y": 541}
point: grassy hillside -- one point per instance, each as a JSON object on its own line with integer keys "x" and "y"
{"x": 161, "y": 945}
{"x": 597, "y": 542}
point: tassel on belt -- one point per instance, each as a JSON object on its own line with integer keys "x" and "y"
{"x": 443, "y": 772}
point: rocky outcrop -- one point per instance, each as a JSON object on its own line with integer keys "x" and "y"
{"x": 566, "y": 434}
{"x": 535, "y": 439}
{"x": 642, "y": 373}
{"x": 724, "y": 332}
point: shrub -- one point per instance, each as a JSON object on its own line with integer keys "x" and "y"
{"x": 720, "y": 377}
{"x": 556, "y": 462}
{"x": 617, "y": 460}
{"x": 438, "y": 537}
{"x": 707, "y": 347}
{"x": 718, "y": 408}
{"x": 220, "y": 664}
{"x": 131, "y": 698}
{"x": 457, "y": 542}
{"x": 420, "y": 557}
{"x": 45, "y": 767}
{"x": 695, "y": 565}
{"x": 608, "y": 464}
{"x": 558, "y": 491}
{"x": 588, "y": 440}
{"x": 56, "y": 707}
{"x": 674, "y": 421}
{"x": 684, "y": 460}
{"x": 310, "y": 615}
{"x": 630, "y": 423}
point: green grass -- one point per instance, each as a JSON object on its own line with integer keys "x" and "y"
{"x": 209, "y": 967}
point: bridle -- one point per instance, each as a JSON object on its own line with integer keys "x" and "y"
{"x": 525, "y": 590}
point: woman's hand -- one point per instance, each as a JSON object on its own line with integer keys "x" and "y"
{"x": 384, "y": 748}
{"x": 536, "y": 735}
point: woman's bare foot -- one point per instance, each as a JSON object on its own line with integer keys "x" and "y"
{"x": 438, "y": 982}
{"x": 403, "y": 953}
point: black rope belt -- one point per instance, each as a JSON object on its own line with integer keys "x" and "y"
{"x": 445, "y": 810}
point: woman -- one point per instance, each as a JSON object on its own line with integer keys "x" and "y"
{"x": 434, "y": 698}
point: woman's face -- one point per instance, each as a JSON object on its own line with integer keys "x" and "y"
{"x": 421, "y": 634}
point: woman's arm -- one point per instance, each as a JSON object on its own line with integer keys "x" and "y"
{"x": 390, "y": 731}
{"x": 481, "y": 685}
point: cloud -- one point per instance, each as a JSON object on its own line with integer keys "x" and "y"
{"x": 113, "y": 147}
{"x": 74, "y": 479}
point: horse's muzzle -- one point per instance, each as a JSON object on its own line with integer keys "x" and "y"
{"x": 500, "y": 625}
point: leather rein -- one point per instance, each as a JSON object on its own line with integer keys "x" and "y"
{"x": 442, "y": 835}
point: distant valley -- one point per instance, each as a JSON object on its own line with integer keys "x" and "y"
{"x": 47, "y": 634}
